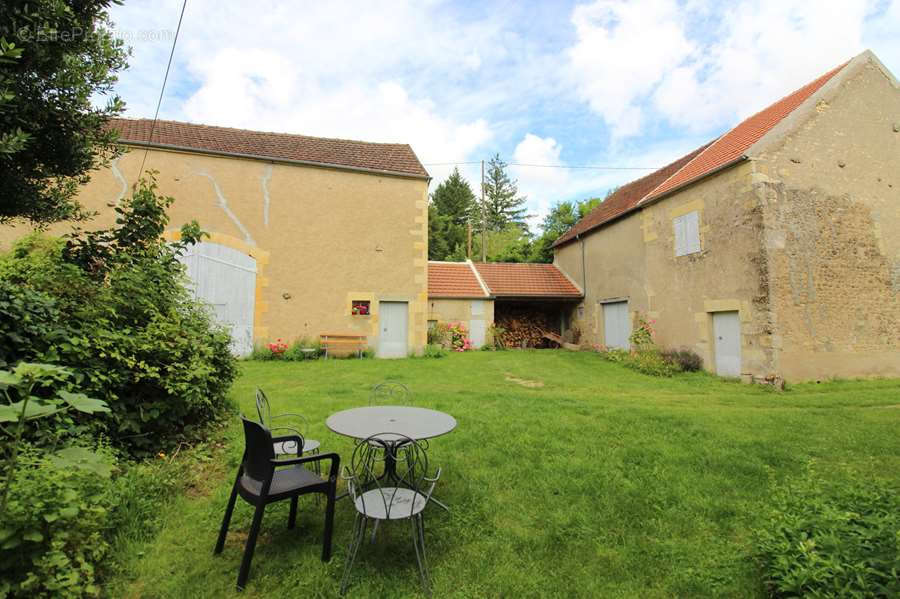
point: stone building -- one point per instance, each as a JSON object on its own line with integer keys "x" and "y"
{"x": 308, "y": 235}
{"x": 772, "y": 251}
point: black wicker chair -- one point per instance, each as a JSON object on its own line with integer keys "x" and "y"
{"x": 399, "y": 489}
{"x": 262, "y": 479}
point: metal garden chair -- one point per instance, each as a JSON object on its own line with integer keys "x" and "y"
{"x": 263, "y": 479}
{"x": 401, "y": 491}
{"x": 266, "y": 418}
{"x": 389, "y": 394}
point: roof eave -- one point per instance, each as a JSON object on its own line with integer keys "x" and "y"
{"x": 328, "y": 165}
{"x": 652, "y": 199}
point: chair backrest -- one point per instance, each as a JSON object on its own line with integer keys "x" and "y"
{"x": 396, "y": 394}
{"x": 258, "y": 450}
{"x": 367, "y": 472}
{"x": 263, "y": 409}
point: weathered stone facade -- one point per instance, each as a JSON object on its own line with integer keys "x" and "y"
{"x": 801, "y": 239}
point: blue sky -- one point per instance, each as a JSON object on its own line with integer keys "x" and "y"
{"x": 611, "y": 82}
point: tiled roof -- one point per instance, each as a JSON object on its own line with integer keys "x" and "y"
{"x": 704, "y": 161}
{"x": 526, "y": 280}
{"x": 625, "y": 198}
{"x": 733, "y": 144}
{"x": 382, "y": 157}
{"x": 453, "y": 279}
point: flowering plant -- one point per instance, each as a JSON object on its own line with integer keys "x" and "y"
{"x": 642, "y": 335}
{"x": 459, "y": 339}
{"x": 278, "y": 348}
{"x": 361, "y": 310}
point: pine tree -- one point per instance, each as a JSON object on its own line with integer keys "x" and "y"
{"x": 454, "y": 198}
{"x": 502, "y": 203}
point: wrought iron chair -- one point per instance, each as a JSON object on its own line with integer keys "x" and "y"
{"x": 401, "y": 491}
{"x": 263, "y": 479}
{"x": 389, "y": 393}
{"x": 266, "y": 418}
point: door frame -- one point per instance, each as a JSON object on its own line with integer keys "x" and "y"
{"x": 616, "y": 300}
{"x": 714, "y": 342}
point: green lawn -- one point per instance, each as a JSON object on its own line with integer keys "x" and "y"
{"x": 598, "y": 482}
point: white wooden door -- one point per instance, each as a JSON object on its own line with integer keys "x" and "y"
{"x": 392, "y": 321}
{"x": 225, "y": 279}
{"x": 616, "y": 325}
{"x": 476, "y": 323}
{"x": 727, "y": 333}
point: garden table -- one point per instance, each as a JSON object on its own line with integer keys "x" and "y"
{"x": 415, "y": 423}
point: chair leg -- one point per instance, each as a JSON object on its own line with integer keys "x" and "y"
{"x": 359, "y": 531}
{"x": 329, "y": 526}
{"x": 418, "y": 526}
{"x": 251, "y": 546}
{"x": 226, "y": 520}
{"x": 292, "y": 516}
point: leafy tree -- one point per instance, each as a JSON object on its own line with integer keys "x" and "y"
{"x": 512, "y": 244}
{"x": 559, "y": 220}
{"x": 55, "y": 56}
{"x": 453, "y": 198}
{"x": 502, "y": 203}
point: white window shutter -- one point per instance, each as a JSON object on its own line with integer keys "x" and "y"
{"x": 680, "y": 249}
{"x": 693, "y": 232}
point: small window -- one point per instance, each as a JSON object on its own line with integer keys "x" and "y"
{"x": 687, "y": 233}
{"x": 360, "y": 308}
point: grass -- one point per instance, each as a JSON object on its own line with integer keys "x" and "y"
{"x": 567, "y": 476}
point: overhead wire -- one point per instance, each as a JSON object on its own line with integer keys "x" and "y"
{"x": 162, "y": 91}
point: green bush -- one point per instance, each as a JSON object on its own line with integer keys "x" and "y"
{"x": 111, "y": 305}
{"x": 53, "y": 533}
{"x": 648, "y": 361}
{"x": 835, "y": 540}
{"x": 439, "y": 334}
{"x": 687, "y": 359}
{"x": 434, "y": 351}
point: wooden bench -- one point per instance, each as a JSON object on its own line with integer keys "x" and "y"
{"x": 343, "y": 342}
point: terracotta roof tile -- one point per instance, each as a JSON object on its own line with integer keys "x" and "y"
{"x": 526, "y": 280}
{"x": 703, "y": 161}
{"x": 383, "y": 157}
{"x": 625, "y": 198}
{"x": 732, "y": 145}
{"x": 453, "y": 279}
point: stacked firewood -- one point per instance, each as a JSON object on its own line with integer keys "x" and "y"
{"x": 525, "y": 327}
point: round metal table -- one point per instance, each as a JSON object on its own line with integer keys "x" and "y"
{"x": 415, "y": 423}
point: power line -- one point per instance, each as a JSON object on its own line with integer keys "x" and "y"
{"x": 570, "y": 166}
{"x": 163, "y": 90}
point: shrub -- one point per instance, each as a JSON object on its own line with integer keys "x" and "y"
{"x": 458, "y": 337}
{"x": 497, "y": 335}
{"x": 434, "y": 351}
{"x": 641, "y": 337}
{"x": 687, "y": 359}
{"x": 648, "y": 361}
{"x": 439, "y": 334}
{"x": 835, "y": 540}
{"x": 112, "y": 306}
{"x": 52, "y": 535}
{"x": 295, "y": 353}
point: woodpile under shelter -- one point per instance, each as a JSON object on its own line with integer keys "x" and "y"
{"x": 527, "y": 300}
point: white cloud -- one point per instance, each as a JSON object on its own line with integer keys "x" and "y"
{"x": 623, "y": 50}
{"x": 701, "y": 68}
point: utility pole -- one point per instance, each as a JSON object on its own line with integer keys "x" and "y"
{"x": 483, "y": 218}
